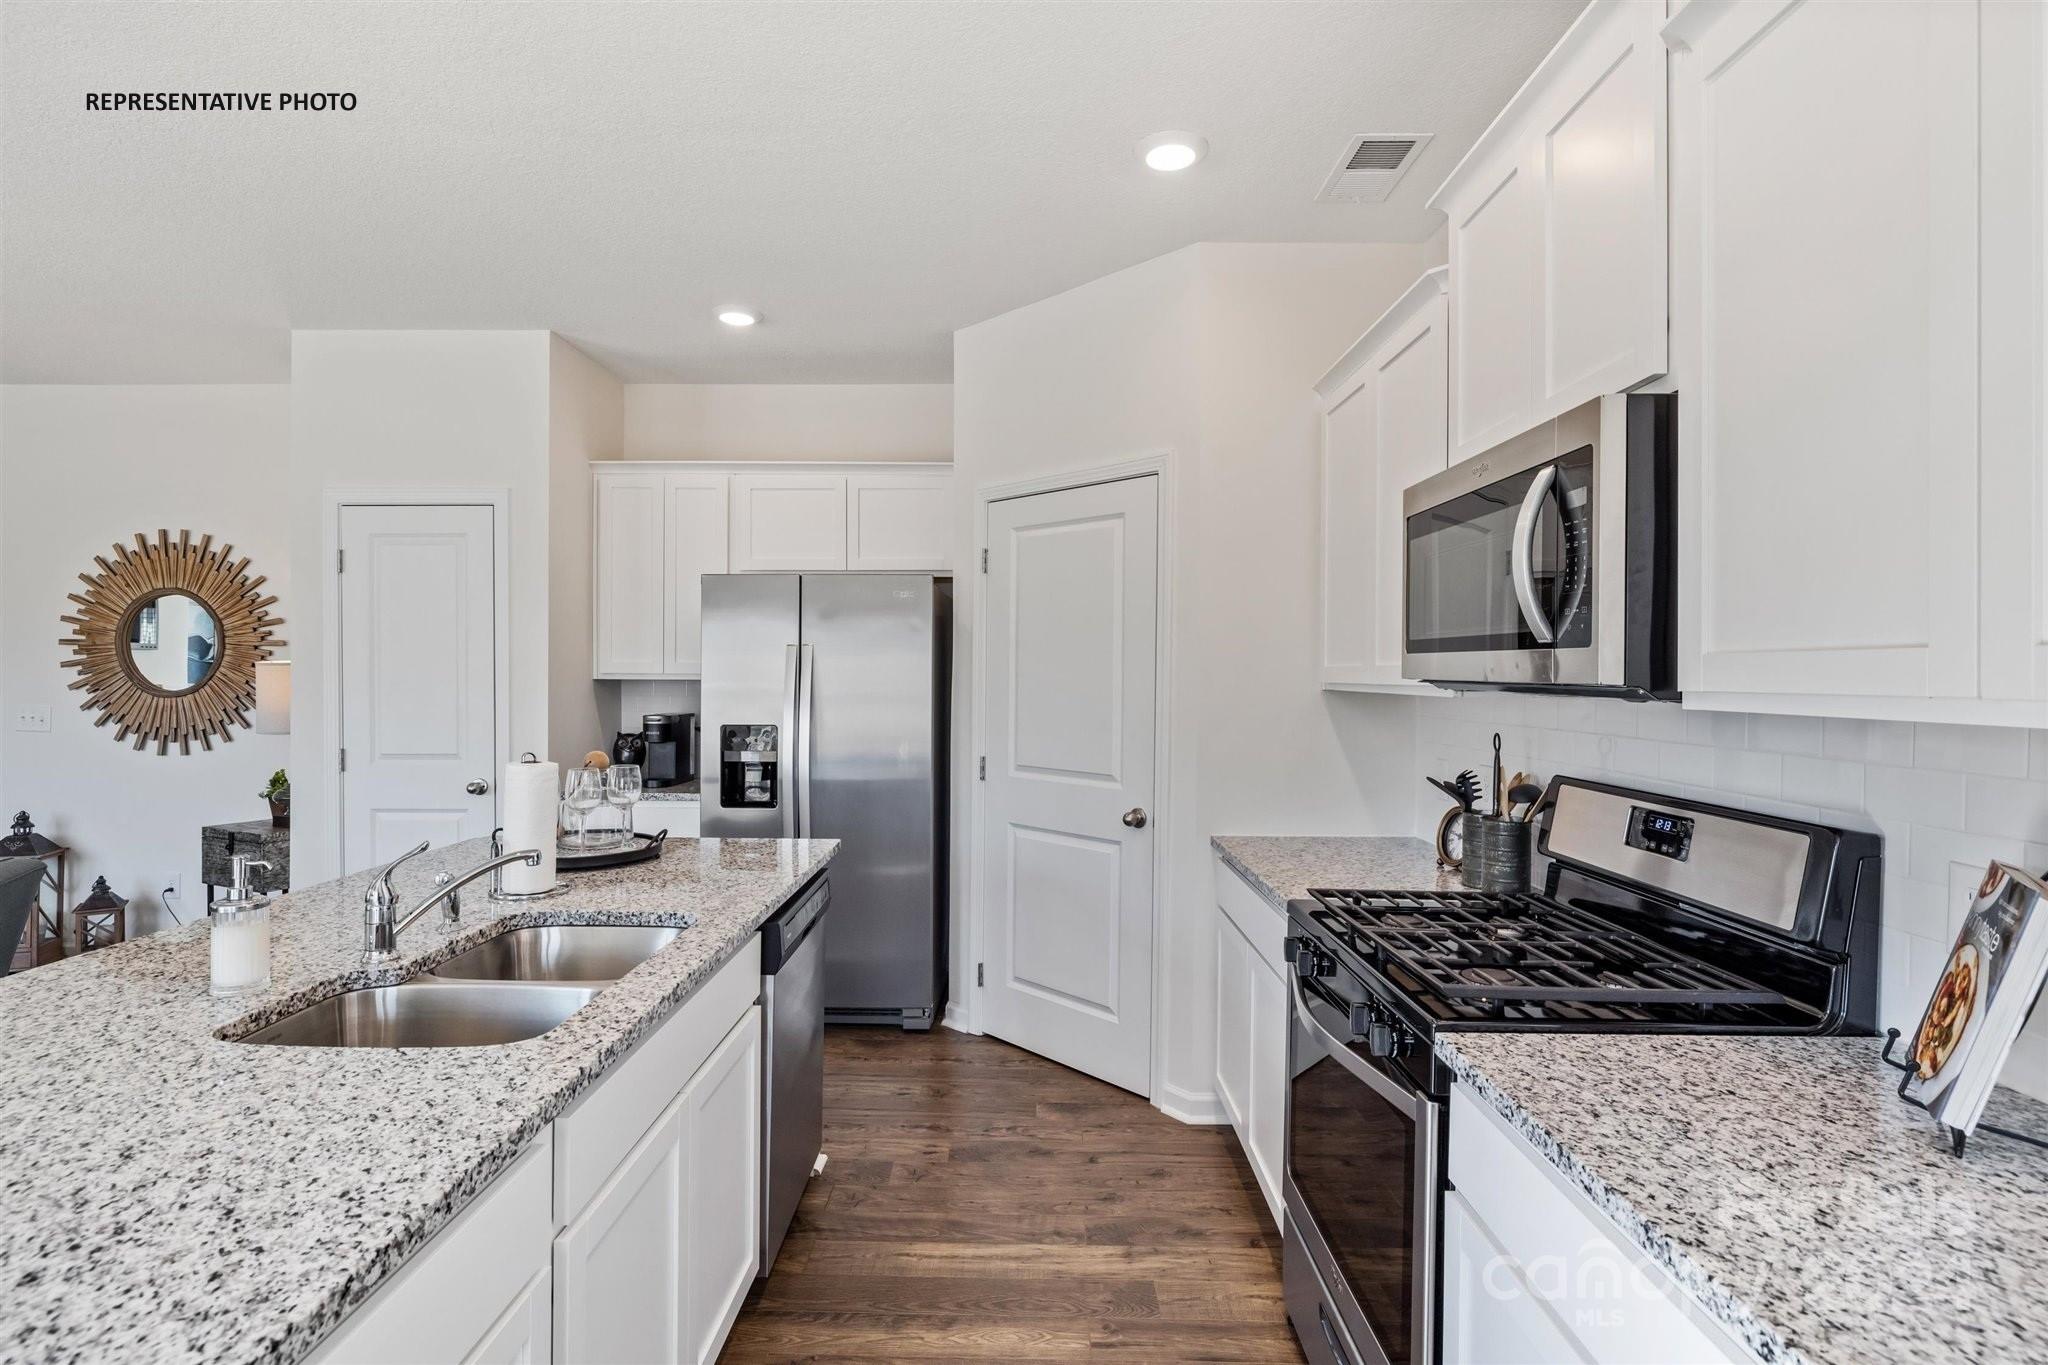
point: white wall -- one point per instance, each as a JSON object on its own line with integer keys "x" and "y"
{"x": 1207, "y": 355}
{"x": 1948, "y": 799}
{"x": 789, "y": 421}
{"x": 585, "y": 423}
{"x": 82, "y": 466}
{"x": 398, "y": 410}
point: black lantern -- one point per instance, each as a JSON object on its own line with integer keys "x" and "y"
{"x": 100, "y": 919}
{"x": 45, "y": 941}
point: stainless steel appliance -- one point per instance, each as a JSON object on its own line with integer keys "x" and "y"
{"x": 825, "y": 716}
{"x": 668, "y": 748}
{"x": 1656, "y": 915}
{"x": 793, "y": 1071}
{"x": 1549, "y": 563}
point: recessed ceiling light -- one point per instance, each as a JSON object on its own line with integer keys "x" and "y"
{"x": 736, "y": 317}
{"x": 1173, "y": 151}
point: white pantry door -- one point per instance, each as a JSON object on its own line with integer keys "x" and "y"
{"x": 1066, "y": 847}
{"x": 419, "y": 686}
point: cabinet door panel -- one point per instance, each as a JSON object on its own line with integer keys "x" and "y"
{"x": 788, "y": 522}
{"x": 525, "y": 1335}
{"x": 722, "y": 1205}
{"x": 694, "y": 541}
{"x": 1411, "y": 444}
{"x": 899, "y": 522}
{"x": 1233, "y": 1025}
{"x": 1349, "y": 530}
{"x": 1829, "y": 290}
{"x": 628, "y": 612}
{"x": 1495, "y": 295}
{"x": 1268, "y": 1079}
{"x": 619, "y": 1267}
{"x": 1490, "y": 1317}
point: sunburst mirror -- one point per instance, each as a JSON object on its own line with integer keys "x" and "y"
{"x": 166, "y": 640}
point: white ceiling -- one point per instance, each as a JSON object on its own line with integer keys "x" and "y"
{"x": 868, "y": 176}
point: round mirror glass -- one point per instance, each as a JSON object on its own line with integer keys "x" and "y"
{"x": 173, "y": 642}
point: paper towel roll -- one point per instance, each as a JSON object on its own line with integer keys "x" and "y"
{"x": 531, "y": 792}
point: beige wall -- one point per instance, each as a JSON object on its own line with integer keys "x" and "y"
{"x": 585, "y": 422}
{"x": 82, "y": 466}
{"x": 1207, "y": 355}
{"x": 789, "y": 421}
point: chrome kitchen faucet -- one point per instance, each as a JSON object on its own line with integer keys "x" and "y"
{"x": 382, "y": 923}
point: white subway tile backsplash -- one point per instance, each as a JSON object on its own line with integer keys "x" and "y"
{"x": 1948, "y": 799}
{"x": 2007, "y": 807}
{"x": 1786, "y": 734}
{"x": 1971, "y": 749}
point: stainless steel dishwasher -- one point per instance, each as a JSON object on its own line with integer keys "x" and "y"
{"x": 793, "y": 1086}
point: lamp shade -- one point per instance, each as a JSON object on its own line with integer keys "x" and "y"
{"x": 273, "y": 697}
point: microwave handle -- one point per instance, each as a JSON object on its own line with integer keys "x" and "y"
{"x": 1521, "y": 557}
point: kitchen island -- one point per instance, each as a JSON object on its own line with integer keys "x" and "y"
{"x": 174, "y": 1195}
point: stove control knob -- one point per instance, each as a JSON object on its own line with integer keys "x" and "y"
{"x": 1310, "y": 963}
{"x": 1379, "y": 1039}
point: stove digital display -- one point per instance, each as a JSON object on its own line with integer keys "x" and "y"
{"x": 1660, "y": 832}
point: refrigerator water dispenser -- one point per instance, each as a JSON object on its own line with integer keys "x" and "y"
{"x": 749, "y": 758}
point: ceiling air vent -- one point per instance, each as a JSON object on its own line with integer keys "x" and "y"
{"x": 1370, "y": 168}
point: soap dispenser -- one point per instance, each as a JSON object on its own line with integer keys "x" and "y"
{"x": 241, "y": 934}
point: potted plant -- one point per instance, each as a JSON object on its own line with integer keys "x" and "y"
{"x": 279, "y": 794}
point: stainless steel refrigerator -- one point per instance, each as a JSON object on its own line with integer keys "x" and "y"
{"x": 824, "y": 715}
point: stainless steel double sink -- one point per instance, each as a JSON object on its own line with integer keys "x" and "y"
{"x": 515, "y": 986}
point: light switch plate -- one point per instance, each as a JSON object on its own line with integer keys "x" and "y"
{"x": 32, "y": 718}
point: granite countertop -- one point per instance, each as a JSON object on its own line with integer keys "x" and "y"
{"x": 171, "y": 1196}
{"x": 682, "y": 791}
{"x": 1789, "y": 1189}
{"x": 1284, "y": 868}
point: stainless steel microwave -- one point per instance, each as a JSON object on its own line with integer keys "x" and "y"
{"x": 1549, "y": 563}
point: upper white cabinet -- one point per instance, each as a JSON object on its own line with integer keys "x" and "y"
{"x": 1857, "y": 309}
{"x": 1558, "y": 228}
{"x": 659, "y": 528}
{"x": 629, "y": 585}
{"x": 899, "y": 521}
{"x": 794, "y": 522}
{"x": 1383, "y": 429}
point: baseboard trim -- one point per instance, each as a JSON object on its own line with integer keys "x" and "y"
{"x": 1203, "y": 1110}
{"x": 955, "y": 1018}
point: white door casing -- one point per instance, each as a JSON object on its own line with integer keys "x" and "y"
{"x": 419, "y": 694}
{"x": 1071, "y": 620}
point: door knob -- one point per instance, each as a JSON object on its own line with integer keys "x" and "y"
{"x": 477, "y": 786}
{"x": 1135, "y": 817}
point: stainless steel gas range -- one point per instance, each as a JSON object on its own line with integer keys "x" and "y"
{"x": 1655, "y": 915}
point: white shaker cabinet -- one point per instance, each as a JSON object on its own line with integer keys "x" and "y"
{"x": 1252, "y": 1020}
{"x": 693, "y": 544}
{"x": 1826, "y": 325}
{"x": 1557, "y": 233}
{"x": 788, "y": 522}
{"x": 722, "y": 1191}
{"x": 899, "y": 522}
{"x": 1383, "y": 429}
{"x": 630, "y": 583}
{"x": 619, "y": 1266}
{"x": 1491, "y": 1317}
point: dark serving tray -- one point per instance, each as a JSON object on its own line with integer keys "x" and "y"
{"x": 640, "y": 849}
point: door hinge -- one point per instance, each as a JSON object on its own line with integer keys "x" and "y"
{"x": 344, "y": 760}
{"x": 982, "y": 770}
{"x": 340, "y": 559}
{"x": 979, "y": 979}
{"x": 984, "y": 560}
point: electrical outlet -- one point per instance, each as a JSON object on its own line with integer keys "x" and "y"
{"x": 32, "y": 718}
{"x": 173, "y": 891}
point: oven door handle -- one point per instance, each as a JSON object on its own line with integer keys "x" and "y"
{"x": 1522, "y": 554}
{"x": 1388, "y": 1089}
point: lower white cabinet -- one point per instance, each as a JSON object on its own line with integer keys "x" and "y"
{"x": 1252, "y": 1014}
{"x": 682, "y": 819}
{"x": 600, "y": 1247}
{"x": 1534, "y": 1272}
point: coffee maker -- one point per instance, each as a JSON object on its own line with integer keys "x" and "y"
{"x": 671, "y": 758}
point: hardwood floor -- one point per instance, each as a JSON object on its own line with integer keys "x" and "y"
{"x": 982, "y": 1203}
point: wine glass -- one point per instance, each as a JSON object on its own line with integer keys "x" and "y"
{"x": 583, "y": 792}
{"x": 622, "y": 783}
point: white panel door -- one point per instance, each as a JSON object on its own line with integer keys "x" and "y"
{"x": 419, "y": 688}
{"x": 1827, "y": 239}
{"x": 788, "y": 523}
{"x": 1496, "y": 291}
{"x": 899, "y": 522}
{"x": 694, "y": 529}
{"x": 1068, "y": 706}
{"x": 627, "y": 617}
{"x": 722, "y": 1198}
{"x": 619, "y": 1267}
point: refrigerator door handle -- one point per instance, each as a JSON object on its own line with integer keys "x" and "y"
{"x": 786, "y": 746}
{"x": 805, "y": 750}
